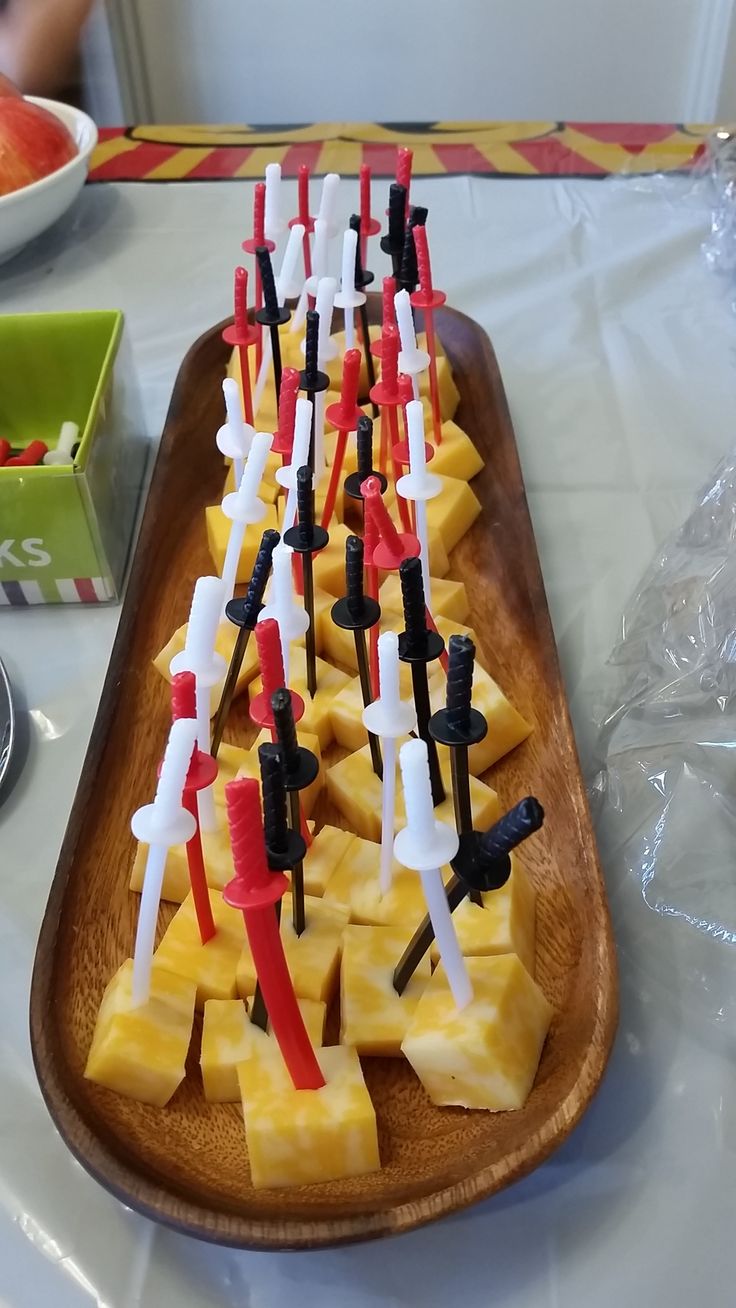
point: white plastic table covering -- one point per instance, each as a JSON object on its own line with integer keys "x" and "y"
{"x": 616, "y": 347}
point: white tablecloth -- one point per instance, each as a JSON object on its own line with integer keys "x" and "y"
{"x": 616, "y": 347}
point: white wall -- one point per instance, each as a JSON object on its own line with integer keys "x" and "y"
{"x": 289, "y": 61}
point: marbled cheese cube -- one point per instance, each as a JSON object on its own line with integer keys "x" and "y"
{"x": 301, "y": 1137}
{"x": 330, "y": 682}
{"x": 504, "y": 924}
{"x": 218, "y": 862}
{"x": 313, "y": 957}
{"x": 141, "y": 1052}
{"x": 373, "y": 1018}
{"x": 354, "y": 788}
{"x": 323, "y": 856}
{"x": 211, "y": 967}
{"x": 228, "y": 1036}
{"x": 506, "y": 726}
{"x": 354, "y": 888}
{"x": 485, "y": 1055}
{"x": 218, "y": 532}
{"x": 449, "y": 598}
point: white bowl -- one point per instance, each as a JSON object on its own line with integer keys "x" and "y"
{"x": 26, "y": 213}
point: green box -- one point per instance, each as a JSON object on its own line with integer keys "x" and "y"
{"x": 65, "y": 530}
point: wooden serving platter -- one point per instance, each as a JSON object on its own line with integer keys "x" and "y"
{"x": 186, "y": 1165}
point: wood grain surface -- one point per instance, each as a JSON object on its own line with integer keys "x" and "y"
{"x": 186, "y": 1165}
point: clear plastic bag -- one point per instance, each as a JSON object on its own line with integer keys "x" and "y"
{"x": 666, "y": 789}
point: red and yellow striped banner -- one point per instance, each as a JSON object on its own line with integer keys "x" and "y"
{"x": 196, "y": 154}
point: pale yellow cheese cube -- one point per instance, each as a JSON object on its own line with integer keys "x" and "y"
{"x": 211, "y": 967}
{"x": 218, "y": 863}
{"x": 301, "y": 1137}
{"x": 504, "y": 924}
{"x": 218, "y": 532}
{"x": 228, "y": 1035}
{"x": 313, "y": 957}
{"x": 453, "y": 511}
{"x": 308, "y": 740}
{"x": 224, "y": 645}
{"x": 449, "y": 598}
{"x": 485, "y": 1055}
{"x": 141, "y": 1052}
{"x": 330, "y": 682}
{"x": 457, "y": 456}
{"x": 373, "y": 1018}
{"x": 354, "y": 788}
{"x": 354, "y": 888}
{"x": 323, "y": 856}
{"x": 439, "y": 564}
{"x": 269, "y": 489}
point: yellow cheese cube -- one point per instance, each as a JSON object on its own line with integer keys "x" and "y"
{"x": 504, "y": 924}
{"x": 218, "y": 862}
{"x": 449, "y": 598}
{"x": 228, "y": 1036}
{"x": 350, "y": 460}
{"x": 323, "y": 856}
{"x": 439, "y": 564}
{"x": 313, "y": 957}
{"x": 231, "y": 759}
{"x": 300, "y": 1137}
{"x": 506, "y": 727}
{"x": 140, "y": 1052}
{"x": 224, "y": 645}
{"x": 449, "y": 394}
{"x": 453, "y": 511}
{"x": 329, "y": 564}
{"x": 308, "y": 740}
{"x": 218, "y": 532}
{"x": 354, "y": 888}
{"x": 457, "y": 456}
{"x": 354, "y": 788}
{"x": 340, "y": 644}
{"x": 345, "y": 716}
{"x": 485, "y": 1055}
{"x": 330, "y": 682}
{"x": 269, "y": 489}
{"x": 212, "y": 966}
{"x": 373, "y": 1018}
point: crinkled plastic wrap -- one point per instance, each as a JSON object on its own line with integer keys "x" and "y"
{"x": 720, "y": 164}
{"x": 666, "y": 790}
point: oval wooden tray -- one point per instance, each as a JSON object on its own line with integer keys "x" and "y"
{"x": 186, "y": 1165}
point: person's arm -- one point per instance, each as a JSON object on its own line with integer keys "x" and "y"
{"x": 38, "y": 41}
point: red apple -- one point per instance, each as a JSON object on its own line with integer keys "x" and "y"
{"x": 33, "y": 143}
{"x": 8, "y": 88}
